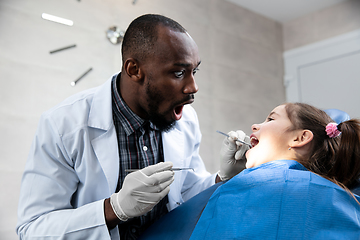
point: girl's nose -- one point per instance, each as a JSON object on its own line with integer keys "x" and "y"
{"x": 255, "y": 127}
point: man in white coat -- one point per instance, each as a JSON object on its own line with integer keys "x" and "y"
{"x": 76, "y": 183}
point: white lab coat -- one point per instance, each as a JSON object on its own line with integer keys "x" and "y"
{"x": 73, "y": 166}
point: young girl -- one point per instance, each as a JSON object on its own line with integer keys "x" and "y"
{"x": 297, "y": 131}
{"x": 297, "y": 181}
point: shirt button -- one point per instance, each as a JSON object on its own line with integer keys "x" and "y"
{"x": 145, "y": 148}
{"x": 133, "y": 230}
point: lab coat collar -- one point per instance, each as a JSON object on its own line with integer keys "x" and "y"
{"x": 102, "y": 106}
{"x": 100, "y": 117}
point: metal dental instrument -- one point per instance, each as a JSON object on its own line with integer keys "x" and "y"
{"x": 235, "y": 139}
{"x": 173, "y": 169}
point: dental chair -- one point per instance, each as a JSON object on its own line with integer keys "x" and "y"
{"x": 180, "y": 222}
{"x": 337, "y": 115}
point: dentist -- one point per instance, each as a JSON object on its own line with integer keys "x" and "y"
{"x": 75, "y": 184}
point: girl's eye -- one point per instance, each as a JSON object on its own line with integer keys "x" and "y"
{"x": 269, "y": 119}
{"x": 179, "y": 74}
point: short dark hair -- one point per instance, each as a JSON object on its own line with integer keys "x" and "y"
{"x": 141, "y": 35}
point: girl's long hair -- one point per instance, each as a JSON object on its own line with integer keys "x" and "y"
{"x": 337, "y": 158}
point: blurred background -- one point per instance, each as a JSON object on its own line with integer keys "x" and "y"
{"x": 256, "y": 54}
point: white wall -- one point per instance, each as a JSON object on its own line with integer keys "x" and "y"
{"x": 240, "y": 78}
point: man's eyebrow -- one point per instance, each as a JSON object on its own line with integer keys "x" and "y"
{"x": 186, "y": 64}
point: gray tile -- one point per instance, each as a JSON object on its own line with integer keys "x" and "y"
{"x": 329, "y": 22}
{"x": 240, "y": 22}
{"x": 340, "y": 19}
{"x": 246, "y": 55}
{"x": 299, "y": 32}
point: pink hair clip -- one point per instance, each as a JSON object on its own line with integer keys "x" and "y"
{"x": 331, "y": 130}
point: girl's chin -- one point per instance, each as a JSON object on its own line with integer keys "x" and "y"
{"x": 249, "y": 164}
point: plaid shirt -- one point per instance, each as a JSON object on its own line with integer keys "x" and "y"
{"x": 140, "y": 145}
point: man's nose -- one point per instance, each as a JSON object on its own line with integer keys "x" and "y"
{"x": 191, "y": 87}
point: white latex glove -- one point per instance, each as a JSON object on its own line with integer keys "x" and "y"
{"x": 142, "y": 190}
{"x": 232, "y": 155}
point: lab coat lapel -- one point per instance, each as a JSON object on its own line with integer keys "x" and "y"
{"x": 108, "y": 156}
{"x": 104, "y": 140}
{"x": 174, "y": 145}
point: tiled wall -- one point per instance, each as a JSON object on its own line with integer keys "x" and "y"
{"x": 240, "y": 78}
{"x": 326, "y": 23}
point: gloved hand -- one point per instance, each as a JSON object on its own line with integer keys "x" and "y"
{"x": 142, "y": 190}
{"x": 232, "y": 155}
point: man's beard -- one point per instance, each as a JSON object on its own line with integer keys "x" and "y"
{"x": 154, "y": 98}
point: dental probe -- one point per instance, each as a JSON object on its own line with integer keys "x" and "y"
{"x": 173, "y": 169}
{"x": 235, "y": 139}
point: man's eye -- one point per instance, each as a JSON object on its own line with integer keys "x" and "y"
{"x": 179, "y": 74}
{"x": 195, "y": 70}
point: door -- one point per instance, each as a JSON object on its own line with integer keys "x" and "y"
{"x": 326, "y": 74}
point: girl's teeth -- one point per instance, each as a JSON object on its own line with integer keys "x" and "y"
{"x": 254, "y": 141}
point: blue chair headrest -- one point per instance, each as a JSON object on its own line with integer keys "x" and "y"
{"x": 337, "y": 115}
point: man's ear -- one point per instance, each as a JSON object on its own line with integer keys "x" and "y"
{"x": 303, "y": 137}
{"x": 132, "y": 69}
